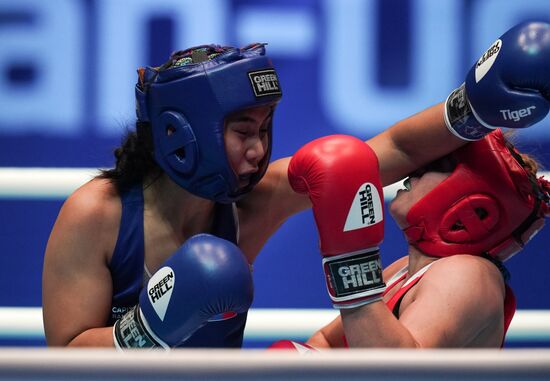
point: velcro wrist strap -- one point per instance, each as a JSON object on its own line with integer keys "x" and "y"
{"x": 360, "y": 302}
{"x": 461, "y": 119}
{"x": 132, "y": 331}
{"x": 354, "y": 276}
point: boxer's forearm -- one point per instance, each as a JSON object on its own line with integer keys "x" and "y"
{"x": 330, "y": 336}
{"x": 94, "y": 337}
{"x": 413, "y": 142}
{"x": 374, "y": 326}
{"x": 318, "y": 340}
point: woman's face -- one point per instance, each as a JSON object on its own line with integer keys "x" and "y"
{"x": 246, "y": 140}
{"x": 417, "y": 187}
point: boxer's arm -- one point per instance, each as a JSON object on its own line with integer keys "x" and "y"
{"x": 330, "y": 336}
{"x": 76, "y": 285}
{"x": 270, "y": 203}
{"x": 515, "y": 82}
{"x": 413, "y": 142}
{"x": 458, "y": 303}
{"x": 402, "y": 148}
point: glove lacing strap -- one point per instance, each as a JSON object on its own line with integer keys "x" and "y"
{"x": 133, "y": 331}
{"x": 461, "y": 119}
{"x": 354, "y": 279}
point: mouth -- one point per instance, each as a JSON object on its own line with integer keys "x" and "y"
{"x": 244, "y": 179}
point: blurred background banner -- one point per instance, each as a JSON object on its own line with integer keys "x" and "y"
{"x": 67, "y": 75}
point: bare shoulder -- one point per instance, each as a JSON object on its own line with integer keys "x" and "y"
{"x": 464, "y": 275}
{"x": 89, "y": 217}
{"x": 96, "y": 203}
{"x": 464, "y": 266}
{"x": 462, "y": 297}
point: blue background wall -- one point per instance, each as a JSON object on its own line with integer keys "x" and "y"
{"x": 67, "y": 70}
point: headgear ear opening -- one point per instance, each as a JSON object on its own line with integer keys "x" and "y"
{"x": 178, "y": 145}
{"x": 470, "y": 219}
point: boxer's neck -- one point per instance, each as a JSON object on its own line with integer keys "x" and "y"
{"x": 417, "y": 260}
{"x": 176, "y": 205}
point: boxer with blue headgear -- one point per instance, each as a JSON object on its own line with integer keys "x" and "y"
{"x": 175, "y": 275}
{"x": 187, "y": 100}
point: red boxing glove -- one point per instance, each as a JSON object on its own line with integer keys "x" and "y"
{"x": 293, "y": 346}
{"x": 341, "y": 176}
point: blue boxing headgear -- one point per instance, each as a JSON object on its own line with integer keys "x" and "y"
{"x": 186, "y": 102}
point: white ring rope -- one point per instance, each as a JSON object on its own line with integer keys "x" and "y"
{"x": 58, "y": 183}
{"x": 42, "y": 183}
{"x": 229, "y": 365}
{"x": 274, "y": 324}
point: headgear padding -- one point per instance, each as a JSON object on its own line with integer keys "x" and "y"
{"x": 187, "y": 106}
{"x": 489, "y": 204}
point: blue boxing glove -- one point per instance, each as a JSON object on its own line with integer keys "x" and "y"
{"x": 207, "y": 276}
{"x": 508, "y": 87}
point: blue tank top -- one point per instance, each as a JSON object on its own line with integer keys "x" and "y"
{"x": 128, "y": 266}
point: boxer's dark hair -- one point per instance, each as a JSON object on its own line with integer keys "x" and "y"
{"x": 134, "y": 160}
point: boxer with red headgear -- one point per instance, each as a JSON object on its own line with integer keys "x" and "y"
{"x": 462, "y": 215}
{"x": 461, "y": 299}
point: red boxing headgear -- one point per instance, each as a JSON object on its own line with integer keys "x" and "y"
{"x": 489, "y": 204}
